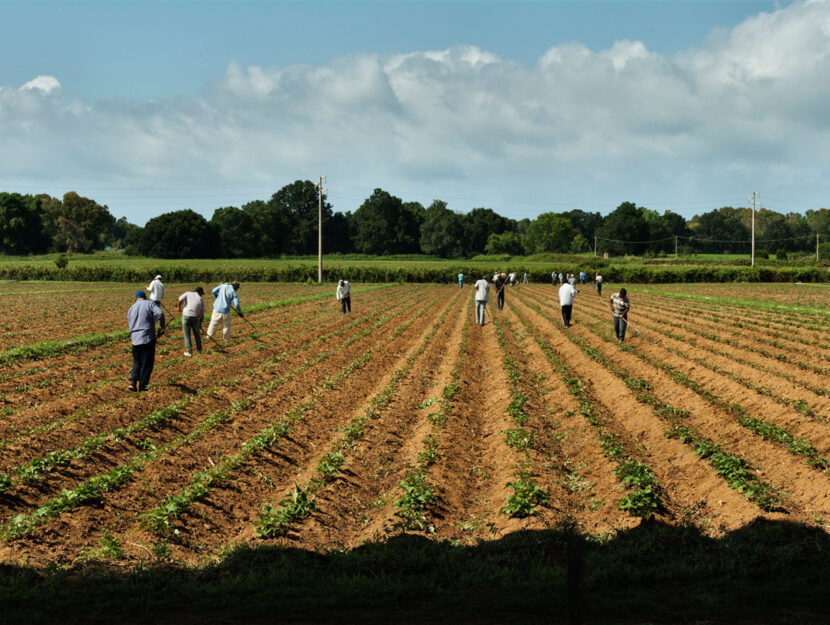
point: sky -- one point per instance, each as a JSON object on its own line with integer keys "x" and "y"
{"x": 522, "y": 107}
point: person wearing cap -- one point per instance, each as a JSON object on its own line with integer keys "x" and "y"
{"x": 619, "y": 312}
{"x": 344, "y": 295}
{"x": 142, "y": 318}
{"x": 500, "y": 280}
{"x": 193, "y": 311}
{"x": 156, "y": 289}
{"x": 460, "y": 280}
{"x": 226, "y": 298}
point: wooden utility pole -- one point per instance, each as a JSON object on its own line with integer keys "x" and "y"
{"x": 595, "y": 245}
{"x": 675, "y": 247}
{"x": 752, "y": 263}
{"x": 817, "y": 247}
{"x": 320, "y": 230}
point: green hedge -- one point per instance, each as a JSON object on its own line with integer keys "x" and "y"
{"x": 634, "y": 274}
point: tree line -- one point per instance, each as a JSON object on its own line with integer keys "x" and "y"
{"x": 286, "y": 225}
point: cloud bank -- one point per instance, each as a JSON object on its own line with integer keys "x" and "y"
{"x": 579, "y": 129}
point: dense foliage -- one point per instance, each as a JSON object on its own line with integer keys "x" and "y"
{"x": 287, "y": 225}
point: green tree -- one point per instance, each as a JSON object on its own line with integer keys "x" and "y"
{"x": 584, "y": 223}
{"x": 721, "y": 231}
{"x": 235, "y": 230}
{"x": 83, "y": 225}
{"x": 624, "y": 231}
{"x": 580, "y": 245}
{"x": 819, "y": 222}
{"x": 480, "y": 224}
{"x": 442, "y": 231}
{"x": 383, "y": 226}
{"x": 505, "y": 243}
{"x": 270, "y": 222}
{"x": 299, "y": 203}
{"x": 549, "y": 232}
{"x": 179, "y": 234}
{"x": 22, "y": 225}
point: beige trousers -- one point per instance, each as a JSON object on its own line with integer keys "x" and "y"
{"x": 215, "y": 319}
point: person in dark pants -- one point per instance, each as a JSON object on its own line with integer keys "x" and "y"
{"x": 142, "y": 318}
{"x": 344, "y": 295}
{"x": 500, "y": 280}
{"x": 619, "y": 310}
{"x": 598, "y": 280}
{"x": 566, "y": 302}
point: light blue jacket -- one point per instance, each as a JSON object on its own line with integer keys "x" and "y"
{"x": 225, "y": 295}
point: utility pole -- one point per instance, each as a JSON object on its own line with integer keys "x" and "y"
{"x": 320, "y": 230}
{"x": 816, "y": 246}
{"x": 754, "y": 194}
{"x": 595, "y": 245}
{"x": 675, "y": 247}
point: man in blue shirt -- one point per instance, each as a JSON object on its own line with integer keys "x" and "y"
{"x": 226, "y": 298}
{"x": 142, "y": 318}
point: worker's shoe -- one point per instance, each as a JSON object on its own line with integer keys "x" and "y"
{"x": 133, "y": 387}
{"x": 188, "y": 354}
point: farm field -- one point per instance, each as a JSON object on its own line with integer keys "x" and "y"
{"x": 325, "y": 433}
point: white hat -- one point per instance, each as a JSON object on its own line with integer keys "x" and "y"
{"x": 158, "y": 277}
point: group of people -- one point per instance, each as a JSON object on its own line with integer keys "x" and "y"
{"x": 619, "y": 302}
{"x": 148, "y": 310}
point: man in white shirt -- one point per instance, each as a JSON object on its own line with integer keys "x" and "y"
{"x": 156, "y": 289}
{"x": 193, "y": 312}
{"x": 566, "y": 302}
{"x": 482, "y": 289}
{"x": 344, "y": 295}
{"x": 598, "y": 280}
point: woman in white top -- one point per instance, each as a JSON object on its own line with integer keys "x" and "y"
{"x": 344, "y": 296}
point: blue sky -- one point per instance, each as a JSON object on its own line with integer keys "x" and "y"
{"x": 519, "y": 106}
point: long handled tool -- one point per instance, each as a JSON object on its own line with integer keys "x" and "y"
{"x": 253, "y": 327}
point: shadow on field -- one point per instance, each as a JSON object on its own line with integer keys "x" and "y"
{"x": 767, "y": 572}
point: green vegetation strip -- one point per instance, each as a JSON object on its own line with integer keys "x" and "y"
{"x": 527, "y": 494}
{"x": 643, "y": 497}
{"x": 49, "y": 349}
{"x": 739, "y": 303}
{"x": 92, "y": 490}
{"x": 160, "y": 519}
{"x": 275, "y": 521}
{"x": 418, "y": 495}
{"x": 737, "y": 473}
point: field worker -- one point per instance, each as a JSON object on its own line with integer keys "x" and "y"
{"x": 524, "y": 280}
{"x": 571, "y": 279}
{"x": 566, "y": 302}
{"x": 481, "y": 295}
{"x": 561, "y": 278}
{"x": 193, "y": 312}
{"x": 141, "y": 319}
{"x": 582, "y": 277}
{"x": 619, "y": 312}
{"x": 460, "y": 280}
{"x": 511, "y": 277}
{"x": 344, "y": 295}
{"x": 156, "y": 289}
{"x": 226, "y": 298}
{"x": 598, "y": 280}
{"x": 554, "y": 277}
{"x": 500, "y": 281}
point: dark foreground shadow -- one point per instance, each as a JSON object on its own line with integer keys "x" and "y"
{"x": 768, "y": 572}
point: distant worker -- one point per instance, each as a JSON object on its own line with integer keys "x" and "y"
{"x": 566, "y": 302}
{"x": 460, "y": 280}
{"x": 192, "y": 307}
{"x": 511, "y": 278}
{"x": 554, "y": 277}
{"x": 561, "y": 278}
{"x": 344, "y": 296}
{"x": 482, "y": 290}
{"x": 500, "y": 280}
{"x": 524, "y": 280}
{"x": 226, "y": 298}
{"x": 619, "y": 311}
{"x": 571, "y": 279}
{"x": 582, "y": 277}
{"x": 598, "y": 280}
{"x": 142, "y": 318}
{"x": 156, "y": 289}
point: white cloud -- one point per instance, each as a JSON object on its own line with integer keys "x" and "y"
{"x": 44, "y": 84}
{"x": 593, "y": 127}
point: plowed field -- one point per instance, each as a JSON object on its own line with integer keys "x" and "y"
{"x": 323, "y": 431}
